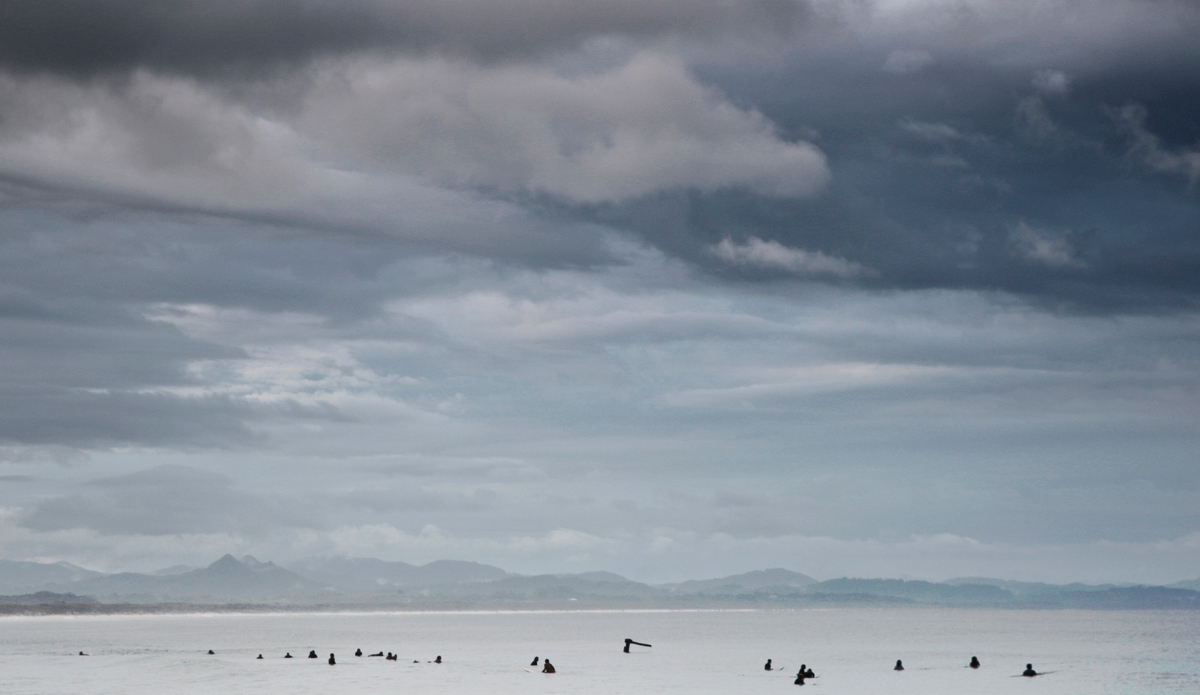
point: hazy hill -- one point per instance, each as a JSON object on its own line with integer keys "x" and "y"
{"x": 757, "y": 580}
{"x": 558, "y": 586}
{"x": 45, "y": 598}
{"x": 368, "y": 575}
{"x": 227, "y": 579}
{"x": 1029, "y": 590}
{"x": 926, "y": 592}
{"x": 21, "y": 577}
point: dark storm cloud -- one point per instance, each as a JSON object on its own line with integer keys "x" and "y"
{"x": 84, "y": 37}
{"x": 1057, "y": 166}
{"x": 166, "y": 500}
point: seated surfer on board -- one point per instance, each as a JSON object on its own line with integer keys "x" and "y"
{"x": 534, "y": 662}
{"x": 1029, "y": 672}
{"x": 548, "y": 667}
{"x": 438, "y": 660}
{"x": 808, "y": 672}
{"x": 332, "y": 660}
{"x": 767, "y": 666}
{"x": 357, "y": 652}
{"x": 260, "y": 656}
{"x": 288, "y": 655}
{"x": 312, "y": 654}
{"x": 899, "y": 666}
{"x": 974, "y": 663}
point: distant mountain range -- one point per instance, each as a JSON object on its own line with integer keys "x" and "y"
{"x": 342, "y": 580}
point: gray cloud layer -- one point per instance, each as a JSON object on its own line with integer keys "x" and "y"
{"x": 603, "y": 285}
{"x": 86, "y": 37}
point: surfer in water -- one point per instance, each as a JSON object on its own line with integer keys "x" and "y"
{"x": 767, "y": 666}
{"x": 288, "y": 655}
{"x": 629, "y": 642}
{"x": 82, "y": 654}
{"x": 332, "y": 660}
{"x": 371, "y": 655}
{"x": 1029, "y": 672}
{"x": 899, "y": 666}
{"x": 312, "y": 654}
{"x": 534, "y": 662}
{"x": 438, "y": 660}
{"x": 357, "y": 652}
{"x": 211, "y": 651}
{"x": 806, "y": 672}
{"x": 260, "y": 656}
{"x": 974, "y": 663}
{"x": 800, "y": 676}
{"x": 548, "y": 667}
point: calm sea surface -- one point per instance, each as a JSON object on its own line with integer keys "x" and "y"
{"x": 695, "y": 652}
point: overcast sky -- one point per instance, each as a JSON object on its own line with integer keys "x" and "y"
{"x": 671, "y": 288}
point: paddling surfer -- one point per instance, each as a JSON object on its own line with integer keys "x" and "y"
{"x": 629, "y": 642}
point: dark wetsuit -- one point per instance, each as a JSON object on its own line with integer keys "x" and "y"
{"x": 974, "y": 662}
{"x": 767, "y": 666}
{"x": 312, "y": 654}
{"x": 534, "y": 662}
{"x": 547, "y": 667}
{"x": 357, "y": 652}
{"x": 438, "y": 660}
{"x": 899, "y": 666}
{"x": 332, "y": 661}
{"x": 288, "y": 655}
{"x": 1029, "y": 672}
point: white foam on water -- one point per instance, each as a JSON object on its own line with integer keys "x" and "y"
{"x": 695, "y": 652}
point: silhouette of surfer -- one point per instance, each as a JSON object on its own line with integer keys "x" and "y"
{"x": 391, "y": 657}
{"x": 211, "y": 651}
{"x": 438, "y": 660}
{"x": 767, "y": 666}
{"x": 332, "y": 661}
{"x": 974, "y": 663}
{"x": 629, "y": 642}
{"x": 82, "y": 654}
{"x": 1029, "y": 672}
{"x": 534, "y": 662}
{"x": 260, "y": 656}
{"x": 288, "y": 656}
{"x": 312, "y": 654}
{"x": 800, "y": 676}
{"x": 899, "y": 666}
{"x": 357, "y": 652}
{"x": 379, "y": 654}
{"x": 548, "y": 667}
{"x": 807, "y": 673}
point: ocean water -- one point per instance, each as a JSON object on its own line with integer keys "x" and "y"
{"x": 695, "y": 652}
